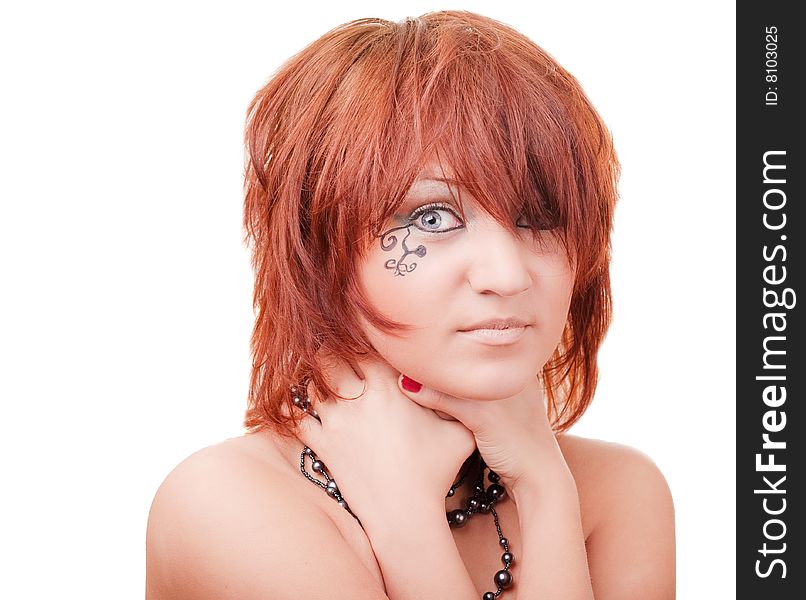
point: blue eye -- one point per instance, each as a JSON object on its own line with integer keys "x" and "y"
{"x": 433, "y": 219}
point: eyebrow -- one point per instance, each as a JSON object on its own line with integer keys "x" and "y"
{"x": 420, "y": 186}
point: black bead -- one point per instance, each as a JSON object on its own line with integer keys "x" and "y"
{"x": 458, "y": 517}
{"x": 317, "y": 466}
{"x": 451, "y": 492}
{"x": 495, "y": 493}
{"x": 484, "y": 508}
{"x": 507, "y": 558}
{"x": 503, "y": 578}
{"x": 473, "y": 504}
{"x": 504, "y": 542}
{"x": 493, "y": 477}
{"x": 488, "y": 596}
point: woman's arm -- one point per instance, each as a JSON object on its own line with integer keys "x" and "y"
{"x": 554, "y": 562}
{"x": 417, "y": 554}
{"x": 223, "y": 525}
{"x": 630, "y": 553}
{"x": 553, "y": 566}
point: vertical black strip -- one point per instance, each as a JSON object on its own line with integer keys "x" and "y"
{"x": 771, "y": 367}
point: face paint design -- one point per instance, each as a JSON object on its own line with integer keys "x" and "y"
{"x": 388, "y": 243}
{"x": 433, "y": 208}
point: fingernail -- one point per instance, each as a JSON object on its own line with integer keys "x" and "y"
{"x": 411, "y": 385}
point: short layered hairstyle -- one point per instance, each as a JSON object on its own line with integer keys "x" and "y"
{"x": 334, "y": 141}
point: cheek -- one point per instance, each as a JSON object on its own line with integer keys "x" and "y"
{"x": 564, "y": 298}
{"x": 419, "y": 298}
{"x": 555, "y": 319}
{"x": 408, "y": 289}
{"x": 559, "y": 301}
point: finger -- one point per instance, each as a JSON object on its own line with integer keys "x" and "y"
{"x": 462, "y": 409}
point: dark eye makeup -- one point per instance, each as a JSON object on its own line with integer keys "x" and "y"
{"x": 433, "y": 207}
{"x": 439, "y": 206}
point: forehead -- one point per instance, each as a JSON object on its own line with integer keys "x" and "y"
{"x": 434, "y": 177}
{"x": 433, "y": 168}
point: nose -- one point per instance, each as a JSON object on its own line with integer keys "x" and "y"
{"x": 498, "y": 262}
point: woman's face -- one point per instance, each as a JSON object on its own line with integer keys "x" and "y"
{"x": 442, "y": 275}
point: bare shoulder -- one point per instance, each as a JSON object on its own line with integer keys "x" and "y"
{"x": 598, "y": 464}
{"x": 631, "y": 544}
{"x": 228, "y": 522}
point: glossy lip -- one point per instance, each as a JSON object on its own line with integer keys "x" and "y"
{"x": 496, "y": 337}
{"x": 502, "y": 323}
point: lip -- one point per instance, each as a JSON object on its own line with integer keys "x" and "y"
{"x": 496, "y": 337}
{"x": 500, "y": 323}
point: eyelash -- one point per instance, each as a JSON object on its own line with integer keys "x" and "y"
{"x": 420, "y": 210}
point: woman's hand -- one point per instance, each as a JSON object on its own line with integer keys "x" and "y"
{"x": 382, "y": 448}
{"x": 512, "y": 434}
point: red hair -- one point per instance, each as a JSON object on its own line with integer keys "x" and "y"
{"x": 337, "y": 136}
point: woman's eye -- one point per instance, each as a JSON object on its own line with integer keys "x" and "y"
{"x": 440, "y": 218}
{"x": 434, "y": 219}
{"x": 527, "y": 224}
{"x": 545, "y": 226}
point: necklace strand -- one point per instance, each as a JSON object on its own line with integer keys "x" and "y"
{"x": 482, "y": 501}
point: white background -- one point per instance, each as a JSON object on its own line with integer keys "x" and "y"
{"x": 126, "y": 291}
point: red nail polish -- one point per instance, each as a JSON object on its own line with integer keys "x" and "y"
{"x": 411, "y": 385}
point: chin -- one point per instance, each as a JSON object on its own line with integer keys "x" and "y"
{"x": 469, "y": 377}
{"x": 487, "y": 384}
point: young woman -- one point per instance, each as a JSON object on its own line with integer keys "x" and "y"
{"x": 429, "y": 205}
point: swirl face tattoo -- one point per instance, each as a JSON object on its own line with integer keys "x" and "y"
{"x": 425, "y": 218}
{"x": 388, "y": 243}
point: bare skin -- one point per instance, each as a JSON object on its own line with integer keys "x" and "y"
{"x": 625, "y": 505}
{"x": 238, "y": 520}
{"x": 584, "y": 518}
